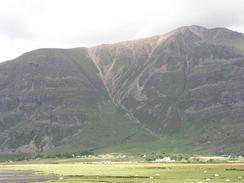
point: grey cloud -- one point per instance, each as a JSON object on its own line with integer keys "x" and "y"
{"x": 50, "y": 23}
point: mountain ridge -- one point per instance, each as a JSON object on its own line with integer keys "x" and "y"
{"x": 186, "y": 85}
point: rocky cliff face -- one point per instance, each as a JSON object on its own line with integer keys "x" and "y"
{"x": 185, "y": 84}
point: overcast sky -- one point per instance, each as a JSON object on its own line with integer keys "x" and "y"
{"x": 29, "y": 24}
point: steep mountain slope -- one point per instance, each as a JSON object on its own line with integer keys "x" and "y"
{"x": 185, "y": 85}
{"x": 191, "y": 79}
{"x": 54, "y": 98}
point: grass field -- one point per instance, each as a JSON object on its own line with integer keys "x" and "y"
{"x": 137, "y": 171}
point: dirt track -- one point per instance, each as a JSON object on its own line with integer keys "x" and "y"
{"x": 16, "y": 176}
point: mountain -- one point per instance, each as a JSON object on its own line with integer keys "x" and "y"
{"x": 182, "y": 92}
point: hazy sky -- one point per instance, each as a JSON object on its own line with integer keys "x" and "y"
{"x": 29, "y": 24}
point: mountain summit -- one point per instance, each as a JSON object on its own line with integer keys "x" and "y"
{"x": 182, "y": 91}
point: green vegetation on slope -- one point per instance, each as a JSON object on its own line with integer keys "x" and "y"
{"x": 108, "y": 127}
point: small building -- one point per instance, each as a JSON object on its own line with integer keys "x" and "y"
{"x": 121, "y": 156}
{"x": 163, "y": 160}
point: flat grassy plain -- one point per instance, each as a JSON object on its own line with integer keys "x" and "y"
{"x": 81, "y": 170}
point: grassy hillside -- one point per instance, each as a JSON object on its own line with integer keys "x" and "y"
{"x": 178, "y": 92}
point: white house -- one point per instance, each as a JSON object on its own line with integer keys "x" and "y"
{"x": 165, "y": 159}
